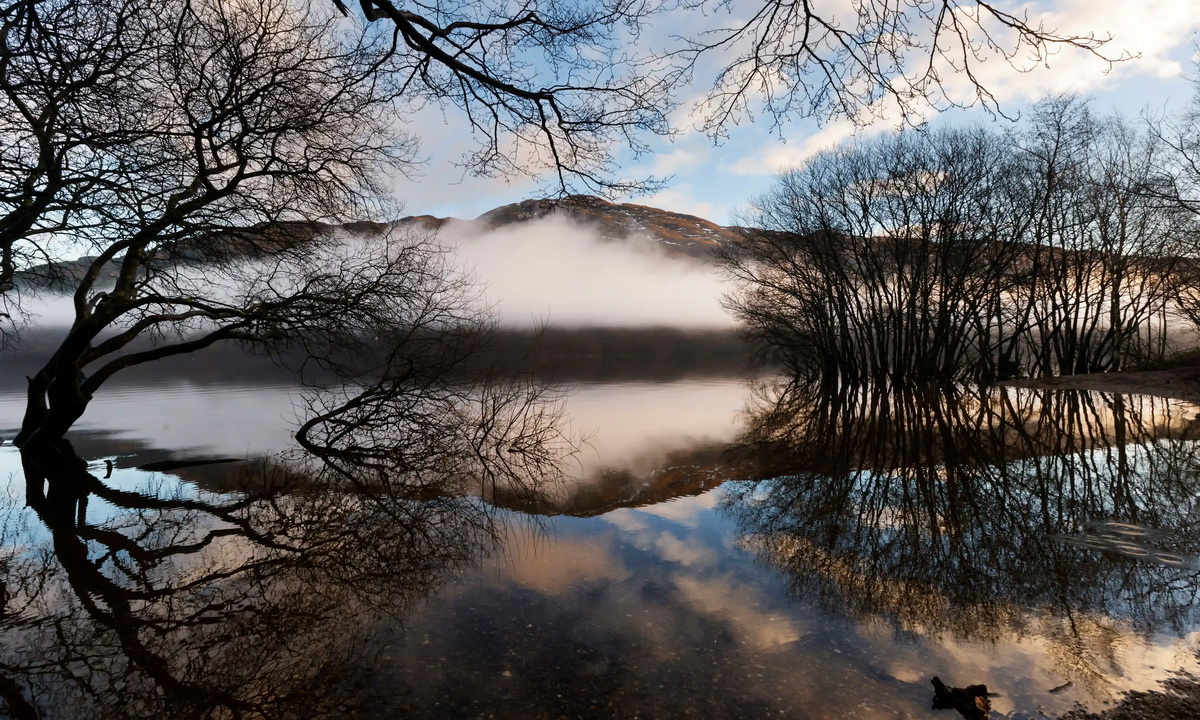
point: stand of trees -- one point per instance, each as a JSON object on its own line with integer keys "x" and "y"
{"x": 1058, "y": 248}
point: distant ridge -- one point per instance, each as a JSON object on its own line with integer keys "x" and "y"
{"x": 677, "y": 234}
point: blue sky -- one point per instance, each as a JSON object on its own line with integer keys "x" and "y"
{"x": 715, "y": 181}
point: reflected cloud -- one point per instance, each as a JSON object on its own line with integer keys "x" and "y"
{"x": 672, "y": 549}
{"x": 569, "y": 564}
{"x": 629, "y": 521}
{"x": 721, "y": 598}
{"x": 683, "y": 511}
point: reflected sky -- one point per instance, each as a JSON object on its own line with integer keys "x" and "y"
{"x": 664, "y": 610}
{"x": 628, "y": 425}
{"x": 720, "y": 551}
{"x": 236, "y": 420}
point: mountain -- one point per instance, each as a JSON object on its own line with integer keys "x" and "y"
{"x": 675, "y": 232}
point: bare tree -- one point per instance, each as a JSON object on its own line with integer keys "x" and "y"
{"x": 1104, "y": 243}
{"x": 247, "y": 117}
{"x": 968, "y": 254}
{"x": 784, "y": 59}
{"x": 864, "y": 59}
{"x": 883, "y": 260}
{"x": 545, "y": 86}
{"x": 71, "y": 81}
{"x": 1179, "y": 164}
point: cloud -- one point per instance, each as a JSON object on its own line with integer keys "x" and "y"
{"x": 626, "y": 520}
{"x": 439, "y": 184}
{"x": 569, "y": 564}
{"x": 688, "y": 554}
{"x": 725, "y": 599}
{"x": 670, "y": 417}
{"x": 685, "y": 511}
{"x": 776, "y": 157}
{"x": 674, "y": 161}
{"x": 1154, "y": 31}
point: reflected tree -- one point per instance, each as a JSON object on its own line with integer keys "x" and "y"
{"x": 1070, "y": 516}
{"x": 273, "y": 599}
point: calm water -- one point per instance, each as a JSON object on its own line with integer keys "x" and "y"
{"x": 717, "y": 551}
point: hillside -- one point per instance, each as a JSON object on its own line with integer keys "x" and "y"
{"x": 676, "y": 233}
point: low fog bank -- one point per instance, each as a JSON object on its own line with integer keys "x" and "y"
{"x": 550, "y": 270}
{"x": 617, "y": 310}
{"x": 563, "y": 273}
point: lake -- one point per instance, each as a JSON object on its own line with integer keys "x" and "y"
{"x": 721, "y": 547}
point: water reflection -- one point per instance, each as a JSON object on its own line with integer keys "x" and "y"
{"x": 978, "y": 515}
{"x": 1042, "y": 544}
{"x": 268, "y": 599}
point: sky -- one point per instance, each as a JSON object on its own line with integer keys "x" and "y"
{"x": 716, "y": 181}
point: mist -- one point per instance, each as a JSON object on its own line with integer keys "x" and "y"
{"x": 561, "y": 272}
{"x": 551, "y": 270}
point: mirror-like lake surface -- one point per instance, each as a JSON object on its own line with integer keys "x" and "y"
{"x": 721, "y": 548}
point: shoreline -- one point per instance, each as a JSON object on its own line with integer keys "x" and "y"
{"x": 1176, "y": 383}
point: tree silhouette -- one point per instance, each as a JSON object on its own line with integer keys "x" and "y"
{"x": 265, "y": 600}
{"x": 187, "y": 149}
{"x": 974, "y": 513}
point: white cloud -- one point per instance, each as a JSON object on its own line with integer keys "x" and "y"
{"x": 685, "y": 511}
{"x": 629, "y": 521}
{"x": 723, "y": 598}
{"x": 566, "y": 565}
{"x": 776, "y": 157}
{"x": 688, "y": 554}
{"x": 671, "y": 417}
{"x": 1154, "y": 30}
{"x": 674, "y": 161}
